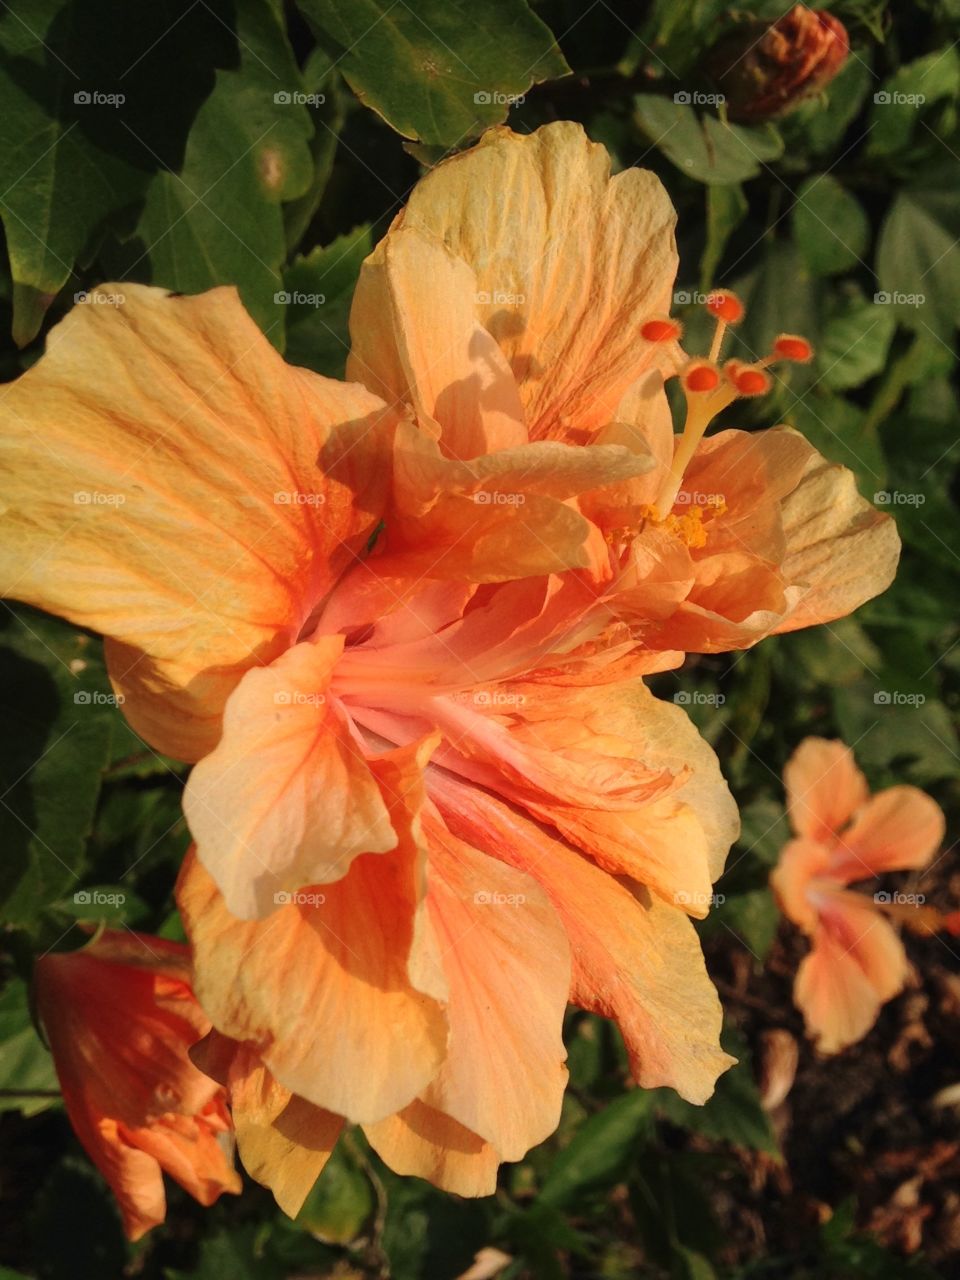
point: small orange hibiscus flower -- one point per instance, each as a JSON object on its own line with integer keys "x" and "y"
{"x": 120, "y": 1017}
{"x": 400, "y": 627}
{"x": 844, "y": 835}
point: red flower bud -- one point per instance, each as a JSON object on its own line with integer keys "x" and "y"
{"x": 768, "y": 70}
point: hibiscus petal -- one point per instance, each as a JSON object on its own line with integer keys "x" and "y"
{"x": 857, "y": 962}
{"x": 420, "y": 1142}
{"x": 507, "y": 964}
{"x": 635, "y": 959}
{"x": 625, "y": 777}
{"x": 801, "y": 861}
{"x": 338, "y": 991}
{"x": 899, "y": 829}
{"x": 286, "y": 799}
{"x": 141, "y": 462}
{"x": 840, "y": 550}
{"x": 416, "y": 338}
{"x": 284, "y": 1141}
{"x": 824, "y": 788}
{"x": 571, "y": 260}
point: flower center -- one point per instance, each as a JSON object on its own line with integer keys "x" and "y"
{"x": 709, "y": 387}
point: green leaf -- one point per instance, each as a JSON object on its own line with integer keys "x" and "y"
{"x": 319, "y": 289}
{"x": 59, "y": 717}
{"x": 235, "y": 1252}
{"x": 918, "y": 258}
{"x": 902, "y": 99}
{"x": 601, "y": 1150}
{"x": 835, "y": 426}
{"x": 750, "y": 916}
{"x": 77, "y": 1226}
{"x": 340, "y": 1203}
{"x": 733, "y": 1114}
{"x": 57, "y": 183}
{"x": 819, "y": 125}
{"x": 704, "y": 147}
{"x": 24, "y": 1061}
{"x": 433, "y": 71}
{"x": 726, "y": 209}
{"x": 327, "y": 117}
{"x": 855, "y": 344}
{"x": 829, "y": 225}
{"x": 111, "y": 904}
{"x": 218, "y": 220}
{"x": 427, "y": 1233}
{"x": 80, "y": 128}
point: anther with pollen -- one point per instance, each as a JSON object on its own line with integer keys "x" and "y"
{"x": 709, "y": 388}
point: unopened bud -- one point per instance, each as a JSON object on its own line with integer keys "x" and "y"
{"x": 767, "y": 70}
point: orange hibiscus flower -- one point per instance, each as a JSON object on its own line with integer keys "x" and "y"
{"x": 401, "y": 625}
{"x": 120, "y": 1017}
{"x": 843, "y": 835}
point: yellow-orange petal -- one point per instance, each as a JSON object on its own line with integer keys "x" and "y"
{"x": 283, "y": 1140}
{"x": 899, "y": 829}
{"x": 168, "y": 481}
{"x": 503, "y": 1075}
{"x": 801, "y": 861}
{"x": 857, "y": 962}
{"x": 503, "y": 516}
{"x": 416, "y": 339}
{"x": 573, "y": 262}
{"x": 421, "y": 1142}
{"x": 635, "y": 959}
{"x": 824, "y": 788}
{"x": 340, "y": 991}
{"x": 286, "y": 798}
{"x": 840, "y": 551}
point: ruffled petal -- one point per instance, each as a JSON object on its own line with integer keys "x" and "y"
{"x": 283, "y": 1140}
{"x": 568, "y": 262}
{"x": 286, "y": 799}
{"x": 340, "y": 990}
{"x": 801, "y": 863}
{"x": 416, "y": 339}
{"x": 635, "y": 959}
{"x": 841, "y": 551}
{"x": 420, "y": 1142}
{"x": 503, "y": 1076}
{"x": 166, "y": 480}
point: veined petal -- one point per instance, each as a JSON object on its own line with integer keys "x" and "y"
{"x": 283, "y": 1140}
{"x": 635, "y": 959}
{"x": 166, "y": 480}
{"x": 498, "y": 935}
{"x": 824, "y": 788}
{"x": 620, "y": 774}
{"x": 571, "y": 260}
{"x": 340, "y": 990}
{"x": 416, "y": 339}
{"x": 420, "y": 1142}
{"x": 286, "y": 799}
{"x": 841, "y": 551}
{"x": 502, "y": 516}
